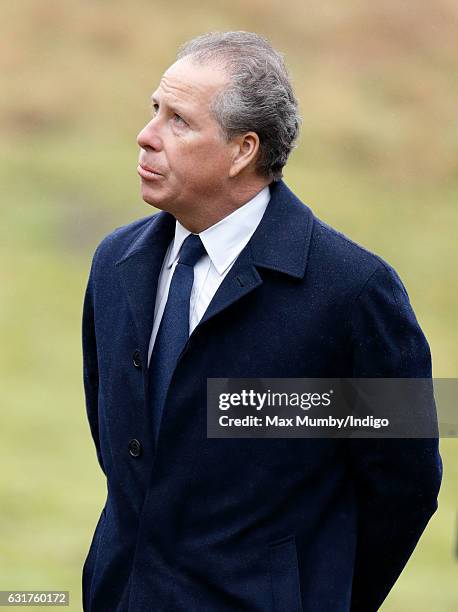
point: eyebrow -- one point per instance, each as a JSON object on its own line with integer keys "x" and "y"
{"x": 154, "y": 100}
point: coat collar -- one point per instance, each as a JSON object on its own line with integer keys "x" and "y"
{"x": 281, "y": 242}
{"x": 282, "y": 239}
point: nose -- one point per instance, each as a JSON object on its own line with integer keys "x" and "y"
{"x": 148, "y": 137}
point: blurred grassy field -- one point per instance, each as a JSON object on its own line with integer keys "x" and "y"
{"x": 378, "y": 91}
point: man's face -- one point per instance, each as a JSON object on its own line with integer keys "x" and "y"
{"x": 183, "y": 142}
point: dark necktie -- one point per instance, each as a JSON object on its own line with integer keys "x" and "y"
{"x": 173, "y": 330}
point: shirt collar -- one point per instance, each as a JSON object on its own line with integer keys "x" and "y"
{"x": 224, "y": 240}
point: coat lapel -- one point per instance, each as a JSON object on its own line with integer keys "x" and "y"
{"x": 241, "y": 279}
{"x": 139, "y": 270}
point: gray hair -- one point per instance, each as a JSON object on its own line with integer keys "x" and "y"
{"x": 258, "y": 98}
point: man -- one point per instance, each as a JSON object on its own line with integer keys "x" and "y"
{"x": 236, "y": 278}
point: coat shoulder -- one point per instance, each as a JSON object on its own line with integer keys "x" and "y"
{"x": 339, "y": 253}
{"x": 115, "y": 243}
{"x": 331, "y": 253}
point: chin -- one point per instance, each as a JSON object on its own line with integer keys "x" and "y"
{"x": 159, "y": 201}
{"x": 154, "y": 203}
{"x": 150, "y": 196}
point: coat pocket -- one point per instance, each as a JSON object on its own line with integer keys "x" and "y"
{"x": 284, "y": 574}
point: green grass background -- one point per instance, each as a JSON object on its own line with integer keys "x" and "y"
{"x": 378, "y": 90}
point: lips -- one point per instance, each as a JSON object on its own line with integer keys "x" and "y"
{"x": 150, "y": 169}
{"x": 147, "y": 173}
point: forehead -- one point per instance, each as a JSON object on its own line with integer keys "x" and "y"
{"x": 186, "y": 82}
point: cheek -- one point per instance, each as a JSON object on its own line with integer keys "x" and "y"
{"x": 207, "y": 162}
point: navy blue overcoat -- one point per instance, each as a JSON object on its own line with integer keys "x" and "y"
{"x": 251, "y": 525}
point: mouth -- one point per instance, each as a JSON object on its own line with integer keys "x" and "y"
{"x": 148, "y": 173}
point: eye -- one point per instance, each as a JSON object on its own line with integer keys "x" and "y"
{"x": 179, "y": 120}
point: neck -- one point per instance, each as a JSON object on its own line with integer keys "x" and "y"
{"x": 203, "y": 218}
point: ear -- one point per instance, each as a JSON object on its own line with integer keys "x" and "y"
{"x": 245, "y": 151}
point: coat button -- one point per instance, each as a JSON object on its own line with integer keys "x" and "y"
{"x": 135, "y": 448}
{"x": 137, "y": 359}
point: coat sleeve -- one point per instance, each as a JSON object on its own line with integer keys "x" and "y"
{"x": 396, "y": 480}
{"x": 90, "y": 362}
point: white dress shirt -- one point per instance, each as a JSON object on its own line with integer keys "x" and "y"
{"x": 223, "y": 243}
